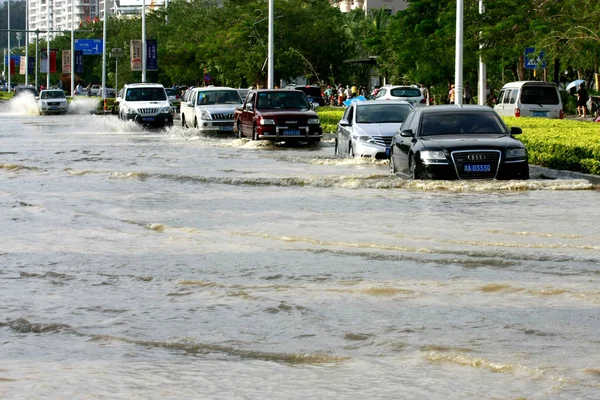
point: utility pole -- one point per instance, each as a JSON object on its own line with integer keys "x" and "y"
{"x": 144, "y": 49}
{"x": 104, "y": 55}
{"x": 458, "y": 67}
{"x": 26, "y": 42}
{"x": 270, "y": 52}
{"x": 482, "y": 95}
{"x": 72, "y": 49}
{"x": 9, "y": 63}
{"x": 48, "y": 44}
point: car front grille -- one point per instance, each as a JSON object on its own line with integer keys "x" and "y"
{"x": 54, "y": 103}
{"x": 476, "y": 159}
{"x": 222, "y": 116}
{"x": 148, "y": 110}
{"x": 383, "y": 140}
{"x": 222, "y": 123}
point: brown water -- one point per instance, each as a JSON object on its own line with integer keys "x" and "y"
{"x": 162, "y": 265}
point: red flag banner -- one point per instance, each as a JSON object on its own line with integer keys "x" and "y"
{"x": 12, "y": 67}
{"x": 53, "y": 61}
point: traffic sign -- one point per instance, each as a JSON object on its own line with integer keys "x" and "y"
{"x": 116, "y": 52}
{"x": 533, "y": 60}
{"x": 89, "y": 46}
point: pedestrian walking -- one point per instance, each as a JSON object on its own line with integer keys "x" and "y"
{"x": 451, "y": 94}
{"x": 582, "y": 99}
{"x": 467, "y": 95}
{"x": 425, "y": 93}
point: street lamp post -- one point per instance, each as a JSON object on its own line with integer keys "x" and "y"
{"x": 458, "y": 67}
{"x": 104, "y": 55}
{"x": 144, "y": 49}
{"x": 48, "y": 44}
{"x": 270, "y": 51}
{"x": 482, "y": 95}
{"x": 9, "y": 63}
{"x": 27, "y": 42}
{"x": 72, "y": 49}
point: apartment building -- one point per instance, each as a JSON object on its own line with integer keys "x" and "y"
{"x": 64, "y": 15}
{"x": 348, "y": 5}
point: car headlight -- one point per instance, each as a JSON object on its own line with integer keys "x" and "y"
{"x": 267, "y": 121}
{"x": 314, "y": 121}
{"x": 165, "y": 110}
{"x": 516, "y": 153}
{"x": 204, "y": 115}
{"x": 433, "y": 155}
{"x": 130, "y": 111}
{"x": 364, "y": 138}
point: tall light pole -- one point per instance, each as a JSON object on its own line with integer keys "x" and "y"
{"x": 72, "y": 49}
{"x": 270, "y": 52}
{"x": 482, "y": 95}
{"x": 9, "y": 63}
{"x": 104, "y": 53}
{"x": 458, "y": 67}
{"x": 144, "y": 49}
{"x": 26, "y": 42}
{"x": 48, "y": 44}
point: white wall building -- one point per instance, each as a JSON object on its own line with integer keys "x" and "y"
{"x": 61, "y": 16}
{"x": 348, "y": 5}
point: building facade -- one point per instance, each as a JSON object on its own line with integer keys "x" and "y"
{"x": 348, "y": 5}
{"x": 64, "y": 15}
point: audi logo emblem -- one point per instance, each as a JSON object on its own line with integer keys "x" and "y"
{"x": 476, "y": 157}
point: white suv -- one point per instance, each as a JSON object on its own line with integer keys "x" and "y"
{"x": 412, "y": 94}
{"x": 145, "y": 103}
{"x": 210, "y": 109}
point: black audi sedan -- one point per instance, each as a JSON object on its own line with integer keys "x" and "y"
{"x": 457, "y": 142}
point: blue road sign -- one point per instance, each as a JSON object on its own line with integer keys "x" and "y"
{"x": 534, "y": 60}
{"x": 89, "y": 46}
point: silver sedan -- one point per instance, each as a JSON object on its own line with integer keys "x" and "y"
{"x": 368, "y": 127}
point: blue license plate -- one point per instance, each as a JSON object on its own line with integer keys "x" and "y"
{"x": 54, "y": 108}
{"x": 226, "y": 128}
{"x": 477, "y": 168}
{"x": 539, "y": 113}
{"x": 294, "y": 132}
{"x": 148, "y": 119}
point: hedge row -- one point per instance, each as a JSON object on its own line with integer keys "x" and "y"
{"x": 558, "y": 144}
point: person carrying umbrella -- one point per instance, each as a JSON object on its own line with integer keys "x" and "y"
{"x": 582, "y": 98}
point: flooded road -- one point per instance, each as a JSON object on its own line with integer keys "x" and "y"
{"x": 163, "y": 265}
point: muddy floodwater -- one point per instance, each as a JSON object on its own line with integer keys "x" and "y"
{"x": 164, "y": 265}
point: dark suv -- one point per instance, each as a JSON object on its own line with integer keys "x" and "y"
{"x": 22, "y": 89}
{"x": 313, "y": 93}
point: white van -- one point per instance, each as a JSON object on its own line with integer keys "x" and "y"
{"x": 530, "y": 99}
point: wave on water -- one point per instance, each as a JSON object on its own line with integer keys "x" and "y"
{"x": 22, "y": 325}
{"x": 17, "y": 167}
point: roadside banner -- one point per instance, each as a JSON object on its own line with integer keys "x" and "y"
{"x": 53, "y": 61}
{"x": 136, "y": 55}
{"x": 78, "y": 61}
{"x": 31, "y": 65}
{"x": 151, "y": 55}
{"x": 66, "y": 61}
{"x": 22, "y": 65}
{"x": 43, "y": 61}
{"x": 12, "y": 66}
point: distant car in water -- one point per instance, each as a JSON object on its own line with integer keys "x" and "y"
{"x": 173, "y": 96}
{"x": 458, "y": 142}
{"x": 52, "y": 101}
{"x": 313, "y": 93}
{"x": 367, "y": 128}
{"x": 26, "y": 89}
{"x": 411, "y": 94}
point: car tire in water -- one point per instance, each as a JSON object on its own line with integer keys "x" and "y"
{"x": 195, "y": 122}
{"x": 336, "y": 150}
{"x": 240, "y": 135}
{"x": 416, "y": 169}
{"x": 254, "y": 135}
{"x": 392, "y": 164}
{"x": 350, "y": 150}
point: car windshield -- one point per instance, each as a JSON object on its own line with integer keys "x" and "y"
{"x": 405, "y": 92}
{"x": 53, "y": 94}
{"x": 461, "y": 123}
{"x": 210, "y": 97}
{"x": 292, "y": 100}
{"x": 145, "y": 94}
{"x": 539, "y": 95}
{"x": 382, "y": 113}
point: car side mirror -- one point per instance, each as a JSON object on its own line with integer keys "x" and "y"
{"x": 407, "y": 133}
{"x": 118, "y": 99}
{"x": 250, "y": 107}
{"x": 314, "y": 105}
{"x": 344, "y": 122}
{"x": 37, "y": 97}
{"x": 190, "y": 104}
{"x": 514, "y": 130}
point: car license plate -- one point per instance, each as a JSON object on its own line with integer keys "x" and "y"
{"x": 148, "y": 119}
{"x": 294, "y": 132}
{"x": 54, "y": 108}
{"x": 477, "y": 167}
{"x": 226, "y": 128}
{"x": 539, "y": 113}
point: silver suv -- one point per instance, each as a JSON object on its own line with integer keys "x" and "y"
{"x": 145, "y": 103}
{"x": 210, "y": 109}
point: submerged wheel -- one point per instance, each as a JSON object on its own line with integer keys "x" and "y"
{"x": 336, "y": 149}
{"x": 392, "y": 164}
{"x": 350, "y": 150}
{"x": 239, "y": 131}
{"x": 416, "y": 169}
{"x": 183, "y": 124}
{"x": 254, "y": 134}
{"x": 195, "y": 122}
